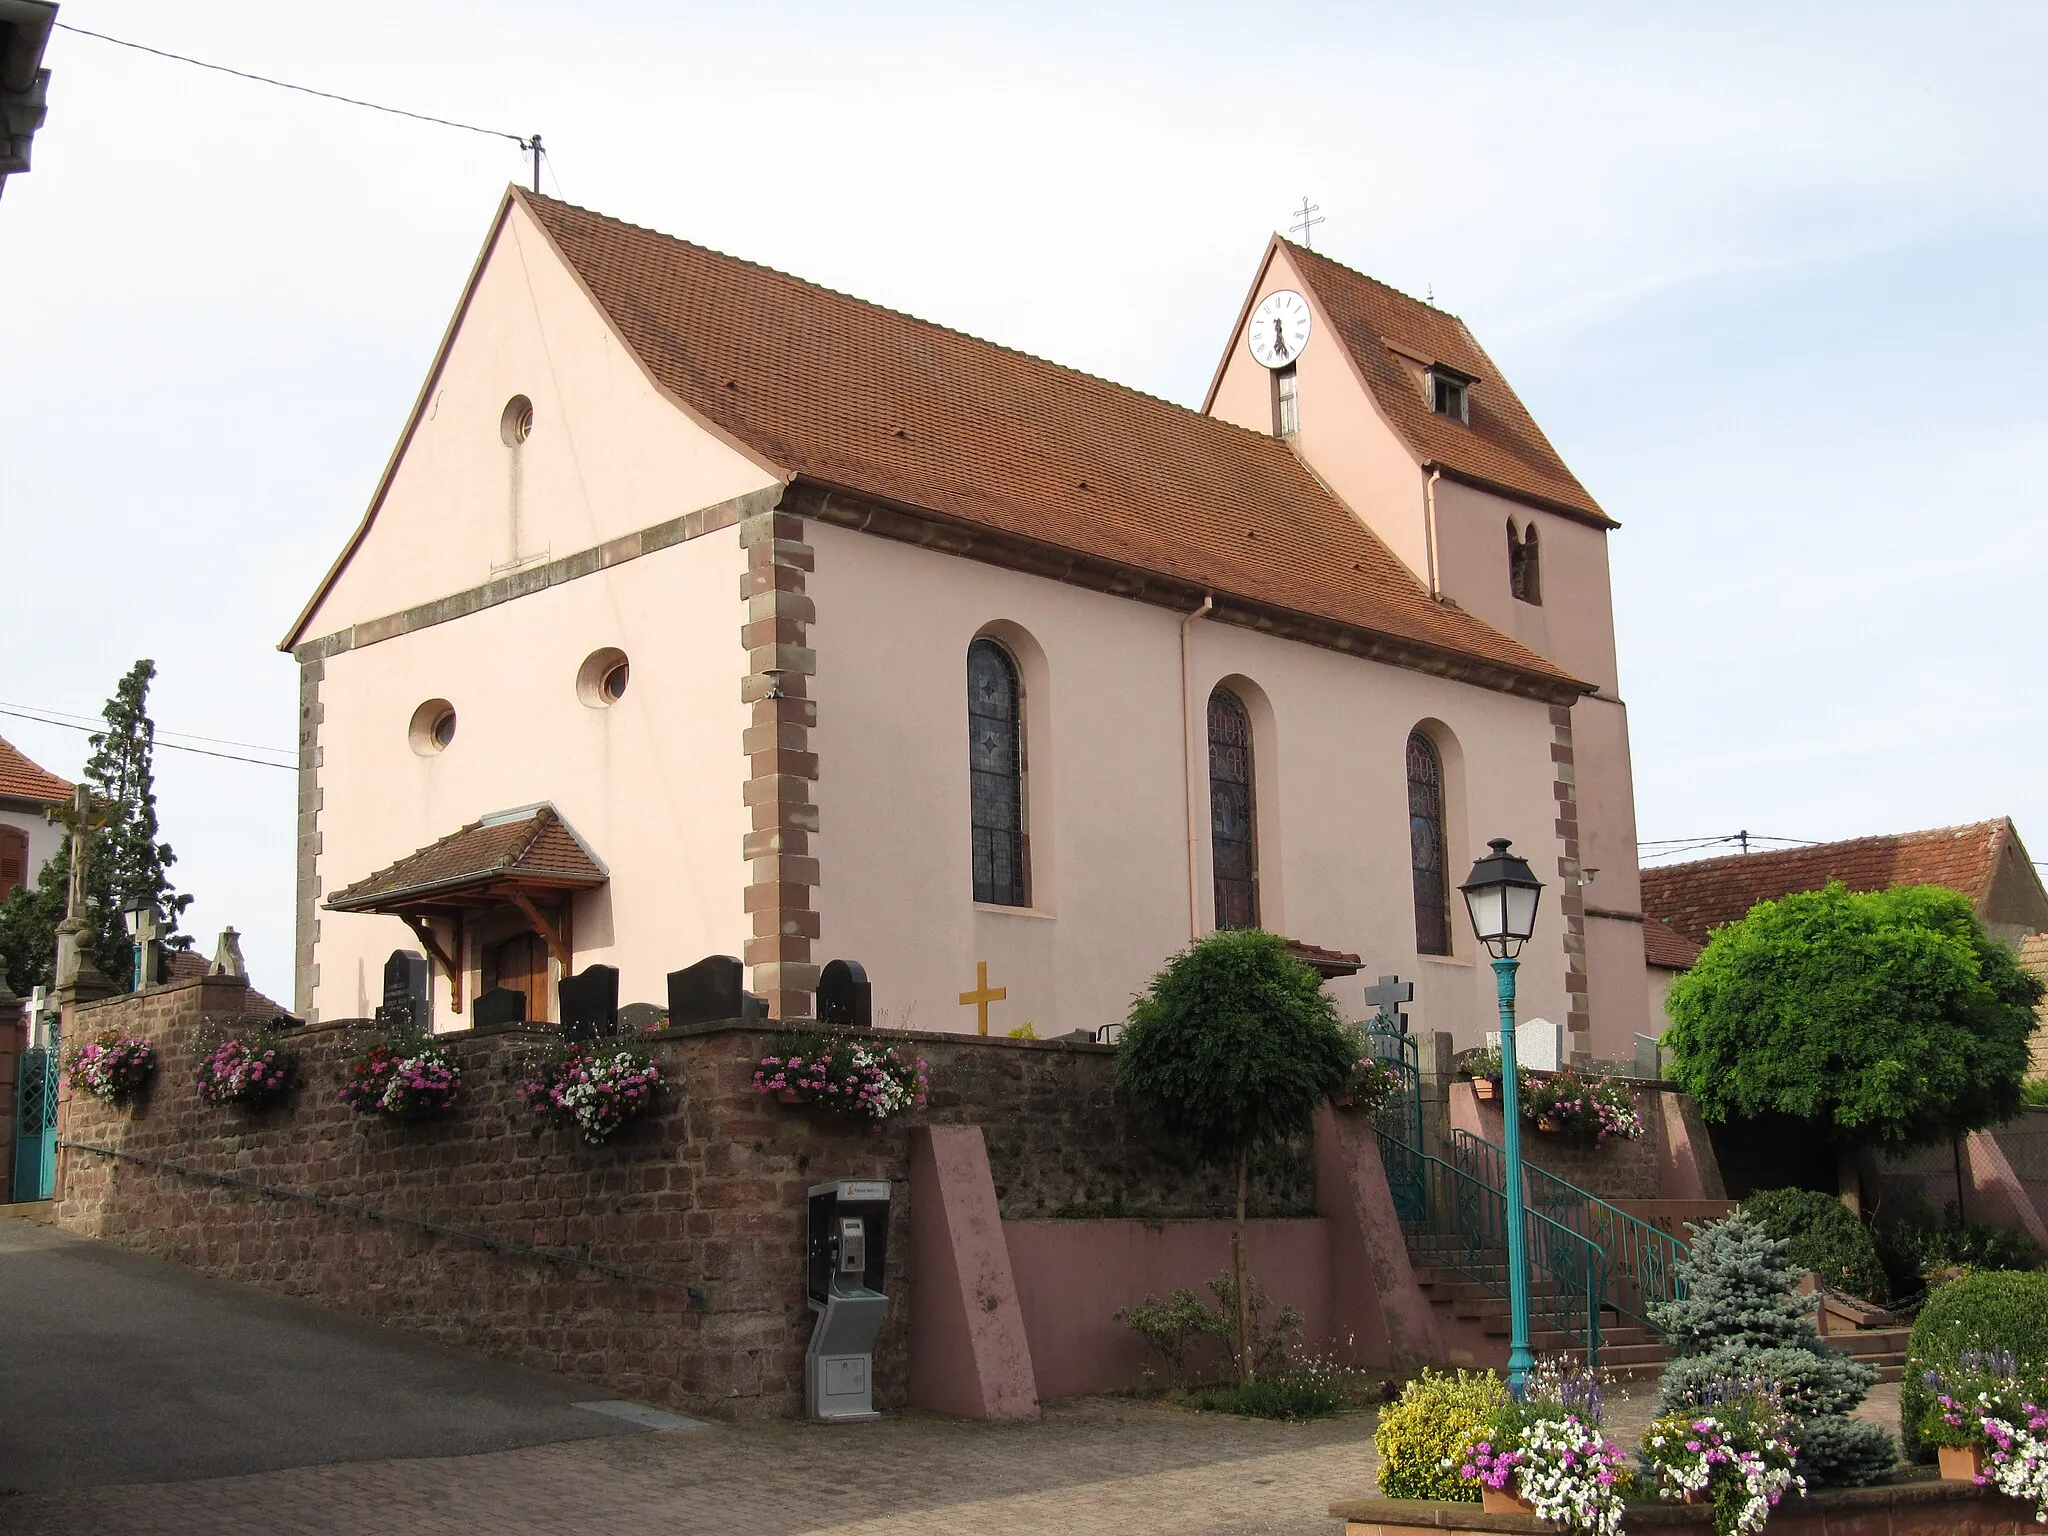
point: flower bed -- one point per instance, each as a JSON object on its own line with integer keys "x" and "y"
{"x": 592, "y": 1087}
{"x": 113, "y": 1067}
{"x": 849, "y": 1075}
{"x": 253, "y": 1070}
{"x": 1983, "y": 1405}
{"x": 1735, "y": 1449}
{"x": 1548, "y": 1451}
{"x": 403, "y": 1081}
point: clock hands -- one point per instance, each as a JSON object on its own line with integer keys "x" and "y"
{"x": 1279, "y": 338}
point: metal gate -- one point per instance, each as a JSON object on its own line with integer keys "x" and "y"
{"x": 35, "y": 1124}
{"x": 1399, "y": 1119}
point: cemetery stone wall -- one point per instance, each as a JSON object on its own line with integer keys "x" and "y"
{"x": 665, "y": 1265}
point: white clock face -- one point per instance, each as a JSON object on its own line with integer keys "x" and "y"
{"x": 1279, "y": 328}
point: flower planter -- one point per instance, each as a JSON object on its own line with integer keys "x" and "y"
{"x": 1485, "y": 1088}
{"x": 1549, "y": 1123}
{"x": 1498, "y": 1501}
{"x": 1962, "y": 1463}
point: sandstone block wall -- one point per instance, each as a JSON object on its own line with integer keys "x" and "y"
{"x": 664, "y": 1265}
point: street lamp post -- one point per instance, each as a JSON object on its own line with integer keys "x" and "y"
{"x": 1501, "y": 897}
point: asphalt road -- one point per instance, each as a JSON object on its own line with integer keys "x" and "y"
{"x": 115, "y": 1369}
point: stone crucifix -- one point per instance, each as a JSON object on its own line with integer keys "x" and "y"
{"x": 1388, "y": 997}
{"x": 86, "y": 814}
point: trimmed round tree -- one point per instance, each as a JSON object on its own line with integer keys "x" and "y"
{"x": 1888, "y": 1018}
{"x": 1234, "y": 1046}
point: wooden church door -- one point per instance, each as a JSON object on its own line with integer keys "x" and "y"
{"x": 520, "y": 964}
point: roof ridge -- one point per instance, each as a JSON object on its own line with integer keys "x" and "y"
{"x": 1377, "y": 282}
{"x": 904, "y": 314}
{"x": 1720, "y": 860}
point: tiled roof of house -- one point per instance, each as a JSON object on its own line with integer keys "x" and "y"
{"x": 1666, "y": 948}
{"x": 531, "y": 845}
{"x": 863, "y": 399}
{"x": 1327, "y": 963}
{"x": 21, "y": 779}
{"x": 1706, "y": 894}
{"x": 185, "y": 964}
{"x": 1393, "y": 338}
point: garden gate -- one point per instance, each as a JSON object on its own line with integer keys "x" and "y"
{"x": 35, "y": 1123}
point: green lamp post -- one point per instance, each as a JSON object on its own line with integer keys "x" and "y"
{"x": 1501, "y": 896}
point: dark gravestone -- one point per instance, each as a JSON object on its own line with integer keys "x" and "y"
{"x": 590, "y": 1003}
{"x": 639, "y": 1018}
{"x": 710, "y": 992}
{"x": 404, "y": 1010}
{"x": 844, "y": 997}
{"x": 500, "y": 1005}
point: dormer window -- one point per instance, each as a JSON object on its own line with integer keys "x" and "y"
{"x": 1448, "y": 391}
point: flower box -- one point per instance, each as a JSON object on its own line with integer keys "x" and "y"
{"x": 1499, "y": 1501}
{"x": 1962, "y": 1463}
{"x": 1486, "y": 1088}
{"x": 1549, "y": 1124}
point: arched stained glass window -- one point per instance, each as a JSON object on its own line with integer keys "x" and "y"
{"x": 995, "y": 762}
{"x": 1426, "y": 846}
{"x": 1233, "y": 819}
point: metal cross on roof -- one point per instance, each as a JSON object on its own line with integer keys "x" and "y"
{"x": 1304, "y": 224}
{"x": 1388, "y": 996}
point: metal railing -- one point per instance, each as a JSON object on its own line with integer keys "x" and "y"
{"x": 1456, "y": 1220}
{"x": 1642, "y": 1263}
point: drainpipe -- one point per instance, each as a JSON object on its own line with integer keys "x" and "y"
{"x": 1187, "y": 755}
{"x": 1429, "y": 530}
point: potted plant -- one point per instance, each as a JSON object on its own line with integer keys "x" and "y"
{"x": 112, "y": 1067}
{"x": 1731, "y": 1446}
{"x": 1985, "y": 1425}
{"x": 853, "y": 1075}
{"x": 1545, "y": 1455}
{"x": 403, "y": 1078}
{"x": 592, "y": 1086}
{"x": 1485, "y": 1071}
{"x": 1371, "y": 1084}
{"x": 253, "y": 1069}
{"x": 1562, "y": 1103}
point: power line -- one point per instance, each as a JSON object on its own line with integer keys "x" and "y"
{"x": 530, "y": 143}
{"x": 94, "y": 722}
{"x": 169, "y": 746}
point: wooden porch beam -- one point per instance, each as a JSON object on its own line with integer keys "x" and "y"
{"x": 542, "y": 927}
{"x": 425, "y": 933}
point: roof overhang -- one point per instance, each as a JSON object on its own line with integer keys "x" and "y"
{"x": 24, "y": 83}
{"x": 496, "y": 861}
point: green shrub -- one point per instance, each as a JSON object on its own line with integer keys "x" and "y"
{"x": 2003, "y": 1310}
{"x": 1822, "y": 1235}
{"x": 1918, "y": 1247}
{"x": 1422, "y": 1438}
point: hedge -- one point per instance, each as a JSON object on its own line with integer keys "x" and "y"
{"x": 1982, "y": 1311}
{"x": 1823, "y": 1236}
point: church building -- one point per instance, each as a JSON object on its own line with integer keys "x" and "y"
{"x": 702, "y": 610}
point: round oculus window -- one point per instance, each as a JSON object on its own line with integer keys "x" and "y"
{"x": 432, "y": 728}
{"x": 515, "y": 425}
{"x": 601, "y": 680}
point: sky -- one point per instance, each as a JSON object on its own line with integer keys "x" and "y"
{"x": 1769, "y": 276}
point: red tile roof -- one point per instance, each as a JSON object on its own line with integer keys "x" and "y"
{"x": 1392, "y": 338}
{"x": 1706, "y": 894}
{"x": 855, "y": 397}
{"x": 1666, "y": 948}
{"x": 21, "y": 779}
{"x": 1327, "y": 963}
{"x": 185, "y": 964}
{"x": 530, "y": 847}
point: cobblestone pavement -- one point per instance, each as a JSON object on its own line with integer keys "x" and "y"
{"x": 1096, "y": 1465}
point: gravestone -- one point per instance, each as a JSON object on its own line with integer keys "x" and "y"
{"x": 1539, "y": 1045}
{"x": 844, "y": 997}
{"x": 1388, "y": 997}
{"x": 590, "y": 1003}
{"x": 639, "y": 1018}
{"x": 710, "y": 992}
{"x": 404, "y": 1009}
{"x": 500, "y": 1005}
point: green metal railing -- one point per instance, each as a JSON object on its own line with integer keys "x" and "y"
{"x": 1456, "y": 1220}
{"x": 1641, "y": 1262}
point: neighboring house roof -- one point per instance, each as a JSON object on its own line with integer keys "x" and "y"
{"x": 1393, "y": 339}
{"x": 21, "y": 779}
{"x": 1706, "y": 894}
{"x": 858, "y": 399}
{"x": 1667, "y": 949}
{"x": 1326, "y": 963}
{"x": 531, "y": 848}
{"x": 185, "y": 964}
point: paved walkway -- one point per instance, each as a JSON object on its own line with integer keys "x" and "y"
{"x": 170, "y": 1405}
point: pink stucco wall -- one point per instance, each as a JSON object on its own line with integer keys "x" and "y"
{"x": 1105, "y": 789}
{"x": 609, "y": 452}
{"x": 1072, "y": 1276}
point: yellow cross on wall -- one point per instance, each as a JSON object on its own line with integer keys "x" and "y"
{"x": 982, "y": 995}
